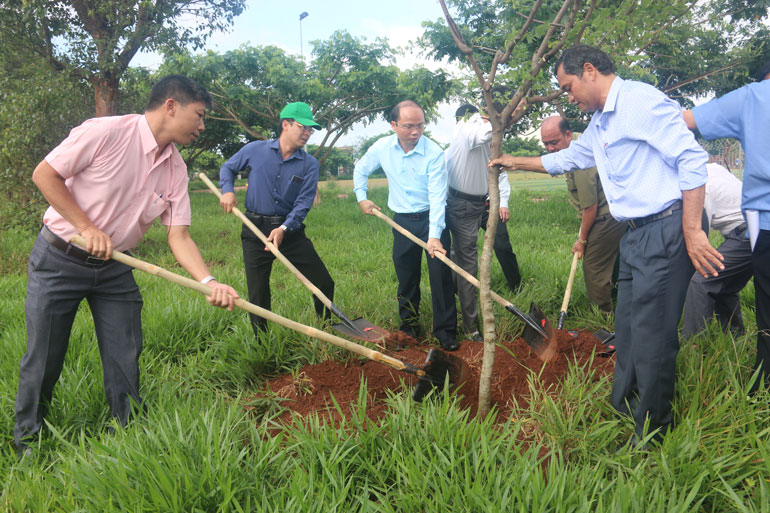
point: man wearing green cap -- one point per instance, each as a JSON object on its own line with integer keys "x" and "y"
{"x": 283, "y": 179}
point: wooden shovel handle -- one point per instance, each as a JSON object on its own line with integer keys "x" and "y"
{"x": 252, "y": 308}
{"x": 456, "y": 268}
{"x": 568, "y": 292}
{"x": 273, "y": 249}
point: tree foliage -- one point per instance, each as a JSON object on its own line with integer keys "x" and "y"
{"x": 348, "y": 81}
{"x": 96, "y": 39}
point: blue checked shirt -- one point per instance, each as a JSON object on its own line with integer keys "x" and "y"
{"x": 642, "y": 148}
{"x": 417, "y": 181}
{"x": 277, "y": 187}
{"x": 745, "y": 115}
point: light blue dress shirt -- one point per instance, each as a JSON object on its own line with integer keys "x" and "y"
{"x": 745, "y": 115}
{"x": 644, "y": 152}
{"x": 417, "y": 180}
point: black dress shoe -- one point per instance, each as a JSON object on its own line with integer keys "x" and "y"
{"x": 24, "y": 452}
{"x": 450, "y": 345}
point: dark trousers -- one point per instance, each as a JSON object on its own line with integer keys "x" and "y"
{"x": 654, "y": 273}
{"x": 720, "y": 295}
{"x": 407, "y": 260}
{"x": 464, "y": 218}
{"x": 599, "y": 258}
{"x": 299, "y": 250}
{"x": 56, "y": 285}
{"x": 760, "y": 260}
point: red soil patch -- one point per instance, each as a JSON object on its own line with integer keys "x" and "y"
{"x": 309, "y": 390}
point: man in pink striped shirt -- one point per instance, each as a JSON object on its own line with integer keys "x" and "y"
{"x": 107, "y": 181}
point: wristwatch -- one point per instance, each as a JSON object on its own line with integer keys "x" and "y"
{"x": 283, "y": 227}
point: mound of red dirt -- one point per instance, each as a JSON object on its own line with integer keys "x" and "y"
{"x": 309, "y": 390}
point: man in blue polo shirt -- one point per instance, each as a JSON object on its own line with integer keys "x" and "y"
{"x": 653, "y": 174}
{"x": 745, "y": 115}
{"x": 417, "y": 185}
{"x": 283, "y": 180}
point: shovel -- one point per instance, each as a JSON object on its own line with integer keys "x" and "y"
{"x": 539, "y": 336}
{"x": 359, "y": 328}
{"x": 567, "y": 293}
{"x": 438, "y": 368}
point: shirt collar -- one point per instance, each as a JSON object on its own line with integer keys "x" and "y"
{"x": 612, "y": 97}
{"x": 276, "y": 145}
{"x": 149, "y": 144}
{"x": 419, "y": 148}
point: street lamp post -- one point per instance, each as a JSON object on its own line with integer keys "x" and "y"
{"x": 302, "y": 16}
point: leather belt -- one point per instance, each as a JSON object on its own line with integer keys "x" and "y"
{"x": 414, "y": 216}
{"x": 259, "y": 219}
{"x": 70, "y": 249}
{"x": 467, "y": 197}
{"x": 641, "y": 221}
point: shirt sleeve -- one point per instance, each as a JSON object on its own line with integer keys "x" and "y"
{"x": 365, "y": 166}
{"x": 578, "y": 155}
{"x": 661, "y": 125}
{"x": 585, "y": 182}
{"x": 504, "y": 185}
{"x": 306, "y": 195}
{"x": 437, "y": 191}
{"x": 722, "y": 117}
{"x": 79, "y": 149}
{"x": 481, "y": 132}
{"x": 231, "y": 168}
{"x": 178, "y": 199}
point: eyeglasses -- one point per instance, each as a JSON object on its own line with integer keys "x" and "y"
{"x": 409, "y": 127}
{"x": 306, "y": 129}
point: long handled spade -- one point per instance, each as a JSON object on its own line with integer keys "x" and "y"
{"x": 438, "y": 368}
{"x": 540, "y": 338}
{"x": 567, "y": 293}
{"x": 358, "y": 328}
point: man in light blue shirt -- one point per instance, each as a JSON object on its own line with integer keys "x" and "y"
{"x": 745, "y": 115}
{"x": 653, "y": 174}
{"x": 417, "y": 186}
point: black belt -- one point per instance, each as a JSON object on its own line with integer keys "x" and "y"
{"x": 467, "y": 197}
{"x": 415, "y": 216}
{"x": 70, "y": 249}
{"x": 259, "y": 219}
{"x": 641, "y": 221}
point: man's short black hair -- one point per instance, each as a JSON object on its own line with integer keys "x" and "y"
{"x": 396, "y": 111}
{"x": 563, "y": 125}
{"x": 574, "y": 58}
{"x": 761, "y": 72}
{"x": 464, "y": 109}
{"x": 181, "y": 89}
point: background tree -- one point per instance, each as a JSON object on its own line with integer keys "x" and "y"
{"x": 512, "y": 43}
{"x": 95, "y": 40}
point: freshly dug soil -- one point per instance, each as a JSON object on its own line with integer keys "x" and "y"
{"x": 309, "y": 390}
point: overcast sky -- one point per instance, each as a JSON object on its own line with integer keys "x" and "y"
{"x": 276, "y": 23}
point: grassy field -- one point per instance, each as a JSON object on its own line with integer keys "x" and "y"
{"x": 206, "y": 445}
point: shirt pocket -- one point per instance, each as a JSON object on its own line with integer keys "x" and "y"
{"x": 153, "y": 210}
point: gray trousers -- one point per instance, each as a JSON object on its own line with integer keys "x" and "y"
{"x": 599, "y": 260}
{"x": 464, "y": 219}
{"x": 56, "y": 285}
{"x": 720, "y": 295}
{"x": 654, "y": 273}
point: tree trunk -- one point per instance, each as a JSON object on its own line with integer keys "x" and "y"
{"x": 105, "y": 92}
{"x": 485, "y": 275}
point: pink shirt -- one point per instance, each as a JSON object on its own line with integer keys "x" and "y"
{"x": 110, "y": 169}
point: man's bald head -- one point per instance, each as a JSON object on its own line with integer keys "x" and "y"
{"x": 555, "y": 133}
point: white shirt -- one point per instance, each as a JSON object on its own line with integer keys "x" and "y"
{"x": 723, "y": 199}
{"x": 468, "y": 156}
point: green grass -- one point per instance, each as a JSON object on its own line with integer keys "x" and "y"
{"x": 198, "y": 449}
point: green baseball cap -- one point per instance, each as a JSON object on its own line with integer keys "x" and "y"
{"x": 301, "y": 113}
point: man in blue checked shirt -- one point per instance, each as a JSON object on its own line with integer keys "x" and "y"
{"x": 654, "y": 175}
{"x": 283, "y": 179}
{"x": 417, "y": 185}
{"x": 745, "y": 115}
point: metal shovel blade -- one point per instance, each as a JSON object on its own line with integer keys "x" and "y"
{"x": 440, "y": 368}
{"x": 546, "y": 347}
{"x": 363, "y": 330}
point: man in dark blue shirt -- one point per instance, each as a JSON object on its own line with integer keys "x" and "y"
{"x": 283, "y": 179}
